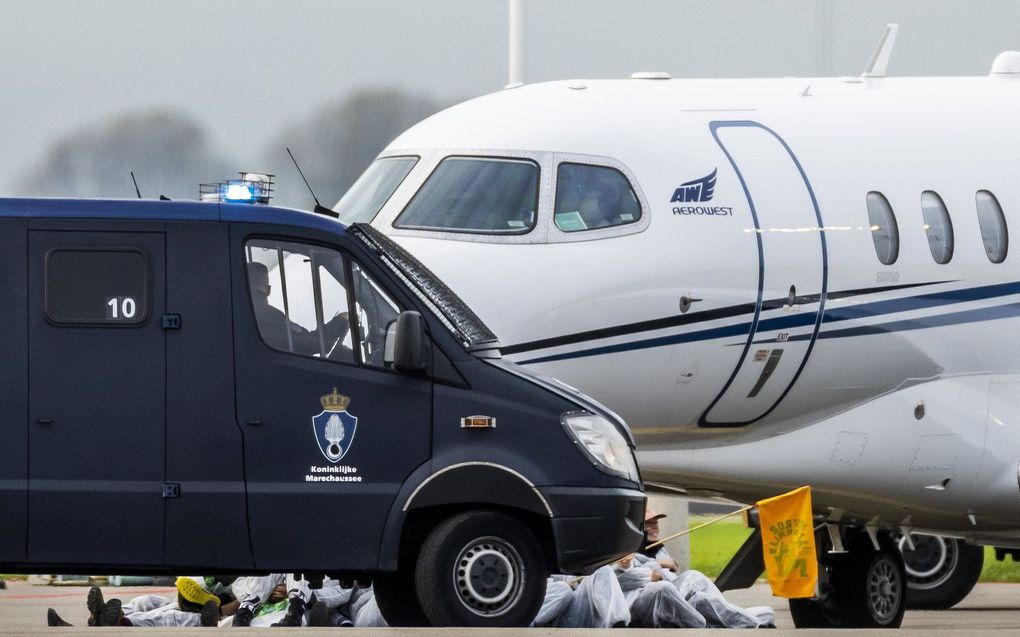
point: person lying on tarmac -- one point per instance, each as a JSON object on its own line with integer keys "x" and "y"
{"x": 198, "y": 603}
{"x": 332, "y": 603}
{"x": 280, "y": 332}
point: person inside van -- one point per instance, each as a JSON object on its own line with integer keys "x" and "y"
{"x": 279, "y": 332}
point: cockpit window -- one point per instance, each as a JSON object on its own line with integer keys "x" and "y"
{"x": 590, "y": 197}
{"x": 373, "y": 189}
{"x": 476, "y": 194}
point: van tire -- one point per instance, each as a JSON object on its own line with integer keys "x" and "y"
{"x": 483, "y": 569}
{"x": 394, "y": 593}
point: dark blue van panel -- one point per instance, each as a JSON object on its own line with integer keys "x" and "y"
{"x": 207, "y": 525}
{"x": 13, "y": 392}
{"x": 97, "y": 397}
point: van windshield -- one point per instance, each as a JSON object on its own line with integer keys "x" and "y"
{"x": 444, "y": 302}
{"x": 373, "y": 189}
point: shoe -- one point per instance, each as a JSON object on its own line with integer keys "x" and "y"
{"x": 94, "y": 602}
{"x": 246, "y": 611}
{"x": 53, "y": 619}
{"x": 192, "y": 591}
{"x": 295, "y": 613}
{"x": 318, "y": 615}
{"x": 111, "y": 613}
{"x": 210, "y": 614}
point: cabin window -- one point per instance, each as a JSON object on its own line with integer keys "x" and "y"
{"x": 993, "y": 226}
{"x": 884, "y": 231}
{"x": 477, "y": 195}
{"x": 299, "y": 296}
{"x": 373, "y": 189}
{"x": 938, "y": 226}
{"x": 97, "y": 287}
{"x": 589, "y": 197}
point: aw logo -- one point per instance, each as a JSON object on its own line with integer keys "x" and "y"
{"x": 696, "y": 190}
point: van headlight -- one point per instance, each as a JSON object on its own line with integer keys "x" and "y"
{"x": 602, "y": 442}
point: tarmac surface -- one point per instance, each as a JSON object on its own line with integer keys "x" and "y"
{"x": 989, "y": 608}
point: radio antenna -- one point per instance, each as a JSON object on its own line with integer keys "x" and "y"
{"x": 135, "y": 181}
{"x": 319, "y": 208}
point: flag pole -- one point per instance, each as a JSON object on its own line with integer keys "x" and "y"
{"x": 700, "y": 526}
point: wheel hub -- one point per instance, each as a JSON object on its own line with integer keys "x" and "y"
{"x": 488, "y": 575}
{"x": 885, "y": 590}
{"x": 932, "y": 561}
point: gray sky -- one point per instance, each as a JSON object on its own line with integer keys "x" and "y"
{"x": 244, "y": 69}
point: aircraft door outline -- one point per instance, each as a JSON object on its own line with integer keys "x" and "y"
{"x": 734, "y": 395}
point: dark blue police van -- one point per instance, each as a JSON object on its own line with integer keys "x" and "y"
{"x": 228, "y": 388}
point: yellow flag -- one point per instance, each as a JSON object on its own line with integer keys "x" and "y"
{"x": 788, "y": 543}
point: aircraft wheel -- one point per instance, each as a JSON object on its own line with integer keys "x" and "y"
{"x": 394, "y": 593}
{"x": 881, "y": 600}
{"x": 867, "y": 589}
{"x": 481, "y": 568}
{"x": 940, "y": 571}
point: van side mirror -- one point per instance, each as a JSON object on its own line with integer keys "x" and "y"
{"x": 406, "y": 343}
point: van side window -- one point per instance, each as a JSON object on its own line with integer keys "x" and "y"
{"x": 97, "y": 287}
{"x": 993, "y": 226}
{"x": 299, "y": 295}
{"x": 476, "y": 194}
{"x": 590, "y": 197}
{"x": 376, "y": 310}
{"x": 884, "y": 231}
{"x": 938, "y": 225}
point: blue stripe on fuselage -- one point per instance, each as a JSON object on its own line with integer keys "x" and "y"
{"x": 833, "y": 315}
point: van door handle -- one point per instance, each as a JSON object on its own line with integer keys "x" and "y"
{"x": 255, "y": 422}
{"x": 44, "y": 421}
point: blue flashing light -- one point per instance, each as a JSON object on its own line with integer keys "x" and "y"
{"x": 239, "y": 193}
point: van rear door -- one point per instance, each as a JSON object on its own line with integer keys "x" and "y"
{"x": 96, "y": 397}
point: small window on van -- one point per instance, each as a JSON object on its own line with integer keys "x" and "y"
{"x": 376, "y": 310}
{"x": 589, "y": 197}
{"x": 97, "y": 287}
{"x": 476, "y": 194}
{"x": 884, "y": 231}
{"x": 299, "y": 295}
{"x": 373, "y": 189}
{"x": 938, "y": 226}
{"x": 993, "y": 226}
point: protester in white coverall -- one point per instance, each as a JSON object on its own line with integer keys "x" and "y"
{"x": 201, "y": 597}
{"x": 334, "y": 605}
{"x": 662, "y": 597}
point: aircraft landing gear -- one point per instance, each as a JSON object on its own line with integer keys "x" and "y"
{"x": 940, "y": 571}
{"x": 862, "y": 588}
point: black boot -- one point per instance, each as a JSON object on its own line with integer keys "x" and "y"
{"x": 210, "y": 613}
{"x": 111, "y": 614}
{"x": 53, "y": 619}
{"x": 295, "y": 612}
{"x": 318, "y": 614}
{"x": 94, "y": 602}
{"x": 246, "y": 611}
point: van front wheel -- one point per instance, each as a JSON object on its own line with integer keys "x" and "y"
{"x": 480, "y": 568}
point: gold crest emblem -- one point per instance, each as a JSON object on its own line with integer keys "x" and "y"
{"x": 335, "y": 402}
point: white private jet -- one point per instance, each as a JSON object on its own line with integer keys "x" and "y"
{"x": 776, "y": 282}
